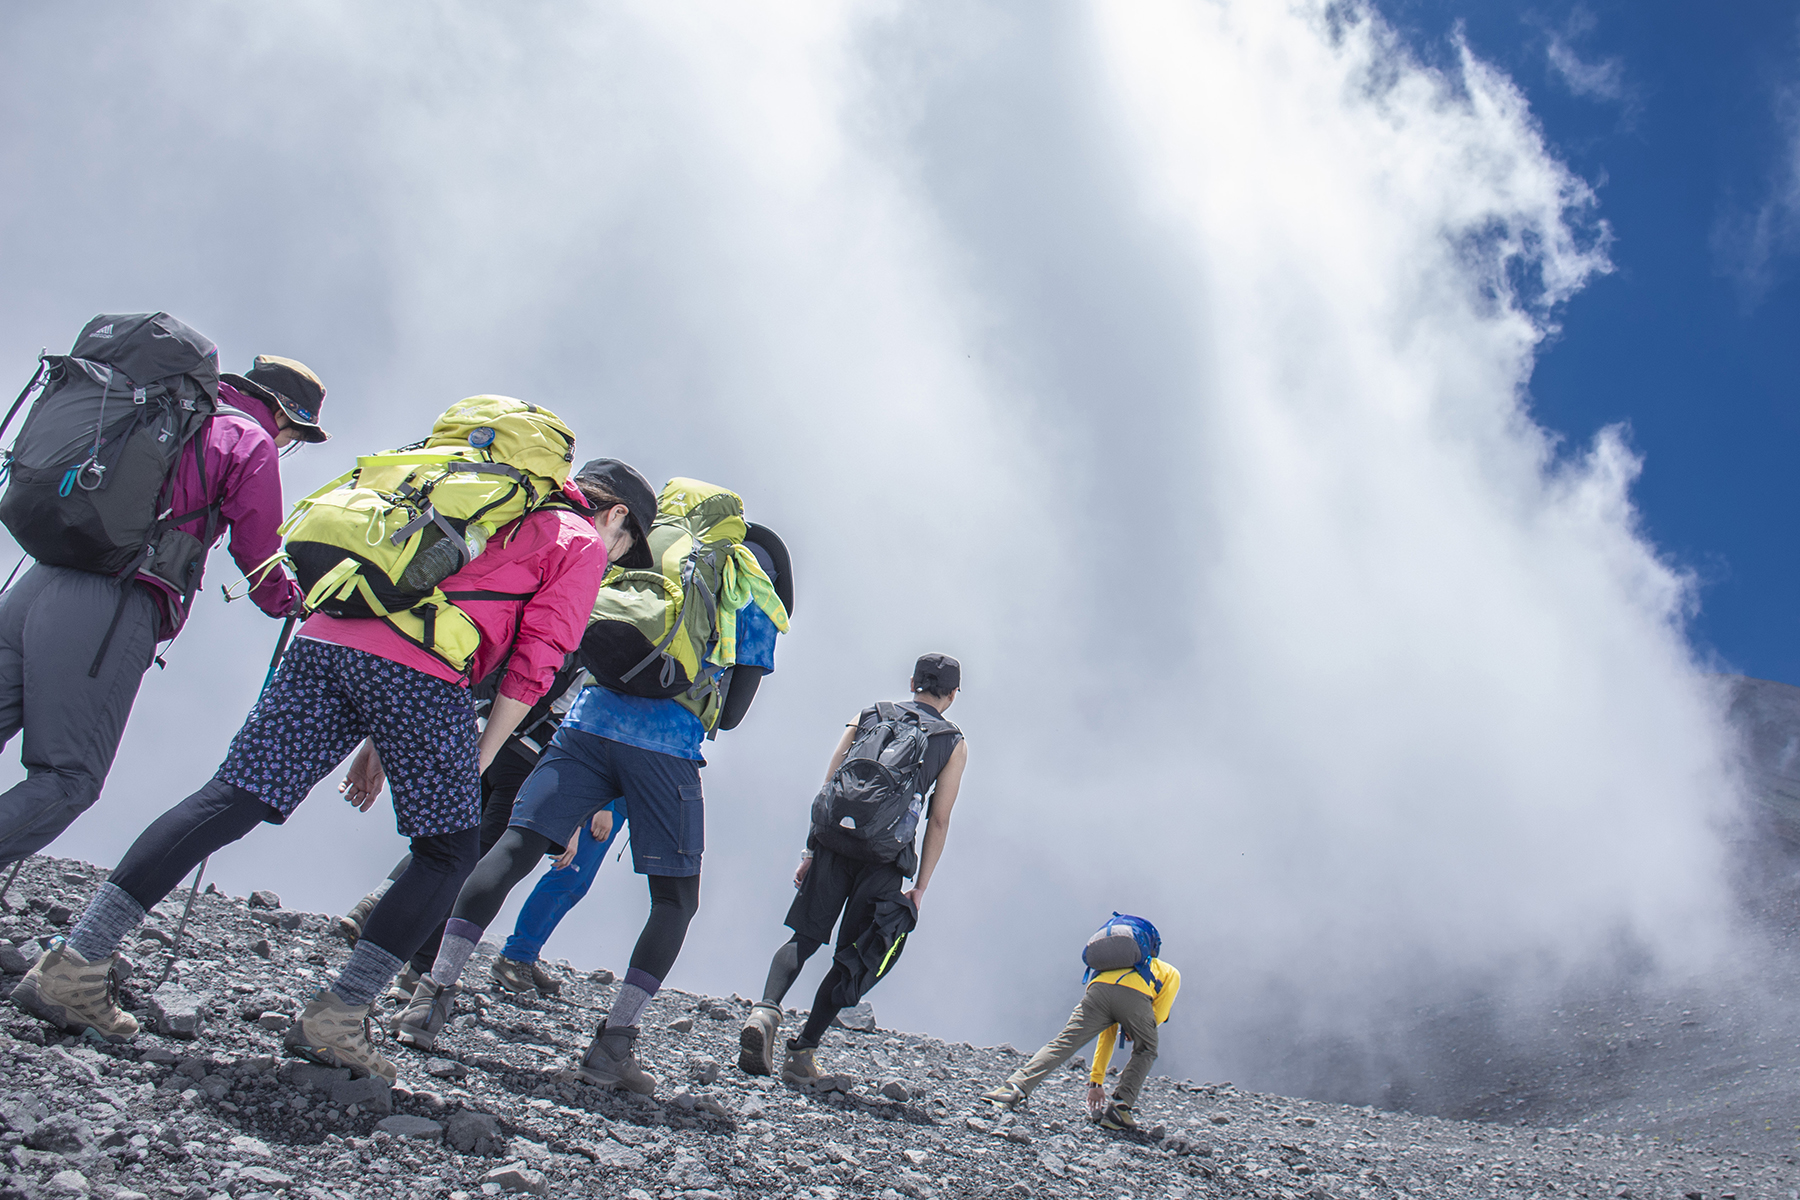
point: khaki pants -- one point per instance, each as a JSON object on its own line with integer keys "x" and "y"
{"x": 1102, "y": 1005}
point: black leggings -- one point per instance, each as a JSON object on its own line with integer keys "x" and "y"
{"x": 785, "y": 967}
{"x": 499, "y": 788}
{"x": 674, "y": 899}
{"x": 220, "y": 813}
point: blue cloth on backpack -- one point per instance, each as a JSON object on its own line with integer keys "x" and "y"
{"x": 663, "y": 725}
{"x": 1149, "y": 946}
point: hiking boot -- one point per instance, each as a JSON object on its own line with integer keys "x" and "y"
{"x": 404, "y": 986}
{"x": 333, "y": 1034}
{"x": 548, "y": 985}
{"x": 756, "y": 1044}
{"x": 514, "y": 977}
{"x": 610, "y": 1063}
{"x": 350, "y": 925}
{"x": 1007, "y": 1096}
{"x": 422, "y": 1020}
{"x": 72, "y": 993}
{"x": 799, "y": 1067}
{"x": 1118, "y": 1116}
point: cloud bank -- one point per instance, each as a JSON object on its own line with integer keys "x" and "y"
{"x": 1167, "y": 363}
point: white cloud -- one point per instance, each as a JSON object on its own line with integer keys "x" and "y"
{"x": 1601, "y": 80}
{"x": 1166, "y": 362}
{"x": 1750, "y": 244}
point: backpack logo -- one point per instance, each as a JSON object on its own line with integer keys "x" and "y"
{"x": 481, "y": 437}
{"x": 105, "y": 331}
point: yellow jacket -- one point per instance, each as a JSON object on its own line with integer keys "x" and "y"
{"x": 1163, "y": 997}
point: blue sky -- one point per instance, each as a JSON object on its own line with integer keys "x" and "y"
{"x": 1681, "y": 117}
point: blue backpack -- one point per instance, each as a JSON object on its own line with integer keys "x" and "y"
{"x": 1123, "y": 943}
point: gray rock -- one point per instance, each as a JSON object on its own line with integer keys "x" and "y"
{"x": 69, "y": 1183}
{"x": 518, "y": 1179}
{"x": 894, "y": 1089}
{"x": 370, "y": 1093}
{"x": 289, "y": 921}
{"x": 264, "y": 899}
{"x": 312, "y": 1077}
{"x": 862, "y": 1018}
{"x": 177, "y": 1012}
{"x": 474, "y": 1133}
{"x": 267, "y": 1176}
{"x": 612, "y": 1154}
{"x": 420, "y": 1128}
{"x": 59, "y": 914}
{"x": 65, "y": 1134}
{"x": 681, "y": 1025}
{"x": 1051, "y": 1163}
{"x": 602, "y": 977}
{"x": 21, "y": 1112}
{"x": 16, "y": 960}
{"x": 445, "y": 1068}
{"x": 686, "y": 1172}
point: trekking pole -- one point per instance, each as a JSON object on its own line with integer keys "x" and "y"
{"x": 12, "y": 875}
{"x": 175, "y": 946}
{"x": 281, "y": 645}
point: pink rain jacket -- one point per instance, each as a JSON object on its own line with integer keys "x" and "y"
{"x": 243, "y": 476}
{"x": 553, "y": 554}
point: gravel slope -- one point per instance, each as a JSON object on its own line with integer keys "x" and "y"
{"x": 207, "y": 1108}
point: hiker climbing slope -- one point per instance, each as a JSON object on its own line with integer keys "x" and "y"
{"x": 1129, "y": 993}
{"x": 896, "y": 766}
{"x": 136, "y": 458}
{"x": 670, "y": 648}
{"x": 389, "y": 690}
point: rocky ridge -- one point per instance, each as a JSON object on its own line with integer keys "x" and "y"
{"x": 203, "y": 1107}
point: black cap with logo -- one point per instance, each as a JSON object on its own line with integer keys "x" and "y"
{"x": 938, "y": 674}
{"x": 632, "y": 489}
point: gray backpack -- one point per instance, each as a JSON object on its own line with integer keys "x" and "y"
{"x": 90, "y": 477}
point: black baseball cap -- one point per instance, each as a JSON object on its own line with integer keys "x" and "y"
{"x": 624, "y": 481}
{"x": 290, "y": 384}
{"x": 938, "y": 674}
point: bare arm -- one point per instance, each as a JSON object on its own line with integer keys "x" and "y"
{"x": 503, "y": 718}
{"x": 837, "y": 760}
{"x": 937, "y": 825}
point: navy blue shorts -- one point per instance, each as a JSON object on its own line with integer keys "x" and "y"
{"x": 581, "y": 773}
{"x": 325, "y": 700}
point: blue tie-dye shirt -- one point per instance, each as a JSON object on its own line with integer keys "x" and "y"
{"x": 663, "y": 725}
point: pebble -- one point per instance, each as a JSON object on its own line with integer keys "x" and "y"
{"x": 419, "y": 1128}
{"x": 518, "y": 1179}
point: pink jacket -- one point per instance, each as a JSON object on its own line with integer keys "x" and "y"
{"x": 554, "y": 555}
{"x": 243, "y": 468}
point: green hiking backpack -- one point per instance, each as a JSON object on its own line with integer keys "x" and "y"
{"x": 670, "y": 632}
{"x": 378, "y": 540}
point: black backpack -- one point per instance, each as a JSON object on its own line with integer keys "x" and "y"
{"x": 870, "y": 807}
{"x": 88, "y": 480}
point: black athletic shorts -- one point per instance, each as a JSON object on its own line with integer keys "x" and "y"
{"x": 836, "y": 885}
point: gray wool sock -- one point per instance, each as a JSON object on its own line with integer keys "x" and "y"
{"x": 460, "y": 939}
{"x": 628, "y": 1005}
{"x": 368, "y": 972}
{"x": 109, "y": 916}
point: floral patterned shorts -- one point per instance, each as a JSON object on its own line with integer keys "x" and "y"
{"x": 325, "y": 700}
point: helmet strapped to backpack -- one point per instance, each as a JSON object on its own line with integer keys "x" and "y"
{"x": 670, "y": 632}
{"x": 91, "y": 474}
{"x": 378, "y": 540}
{"x": 1123, "y": 943}
{"x": 870, "y": 807}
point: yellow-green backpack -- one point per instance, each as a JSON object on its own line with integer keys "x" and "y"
{"x": 378, "y": 540}
{"x": 671, "y": 632}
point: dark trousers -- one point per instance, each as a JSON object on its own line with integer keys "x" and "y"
{"x": 52, "y": 622}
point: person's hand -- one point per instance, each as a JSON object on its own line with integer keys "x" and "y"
{"x": 801, "y": 870}
{"x": 917, "y": 896}
{"x": 568, "y": 855}
{"x": 363, "y": 782}
{"x": 602, "y": 825}
{"x": 1096, "y": 1100}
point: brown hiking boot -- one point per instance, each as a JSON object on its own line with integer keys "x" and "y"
{"x": 1118, "y": 1116}
{"x": 334, "y": 1034}
{"x": 609, "y": 1062}
{"x": 798, "y": 1067}
{"x": 548, "y": 985}
{"x": 72, "y": 993}
{"x": 513, "y": 977}
{"x": 420, "y": 1023}
{"x": 350, "y": 925}
{"x": 1007, "y": 1095}
{"x": 756, "y": 1044}
{"x": 402, "y": 989}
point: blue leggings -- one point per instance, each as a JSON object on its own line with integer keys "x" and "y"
{"x": 559, "y": 891}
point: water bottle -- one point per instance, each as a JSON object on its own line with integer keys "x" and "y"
{"x": 443, "y": 558}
